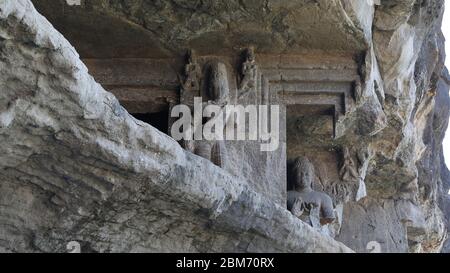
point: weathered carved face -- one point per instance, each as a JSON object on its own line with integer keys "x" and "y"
{"x": 303, "y": 173}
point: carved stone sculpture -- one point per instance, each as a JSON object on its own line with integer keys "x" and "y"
{"x": 358, "y": 91}
{"x": 218, "y": 94}
{"x": 351, "y": 185}
{"x": 192, "y": 73}
{"x": 249, "y": 69}
{"x": 191, "y": 80}
{"x": 348, "y": 171}
{"x": 309, "y": 205}
{"x": 218, "y": 87}
{"x": 214, "y": 151}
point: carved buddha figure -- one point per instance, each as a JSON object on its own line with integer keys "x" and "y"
{"x": 303, "y": 199}
{"x": 248, "y": 71}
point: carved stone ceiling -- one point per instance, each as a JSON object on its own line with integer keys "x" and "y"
{"x": 165, "y": 28}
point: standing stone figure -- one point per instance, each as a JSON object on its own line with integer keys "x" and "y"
{"x": 190, "y": 87}
{"x": 192, "y": 73}
{"x": 249, "y": 69}
{"x": 315, "y": 208}
{"x": 218, "y": 86}
{"x": 190, "y": 81}
{"x": 348, "y": 171}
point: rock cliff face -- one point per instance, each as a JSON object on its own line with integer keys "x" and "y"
{"x": 77, "y": 166}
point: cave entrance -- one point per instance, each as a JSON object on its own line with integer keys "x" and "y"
{"x": 159, "y": 120}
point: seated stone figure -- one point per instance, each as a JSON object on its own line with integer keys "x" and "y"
{"x": 311, "y": 206}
